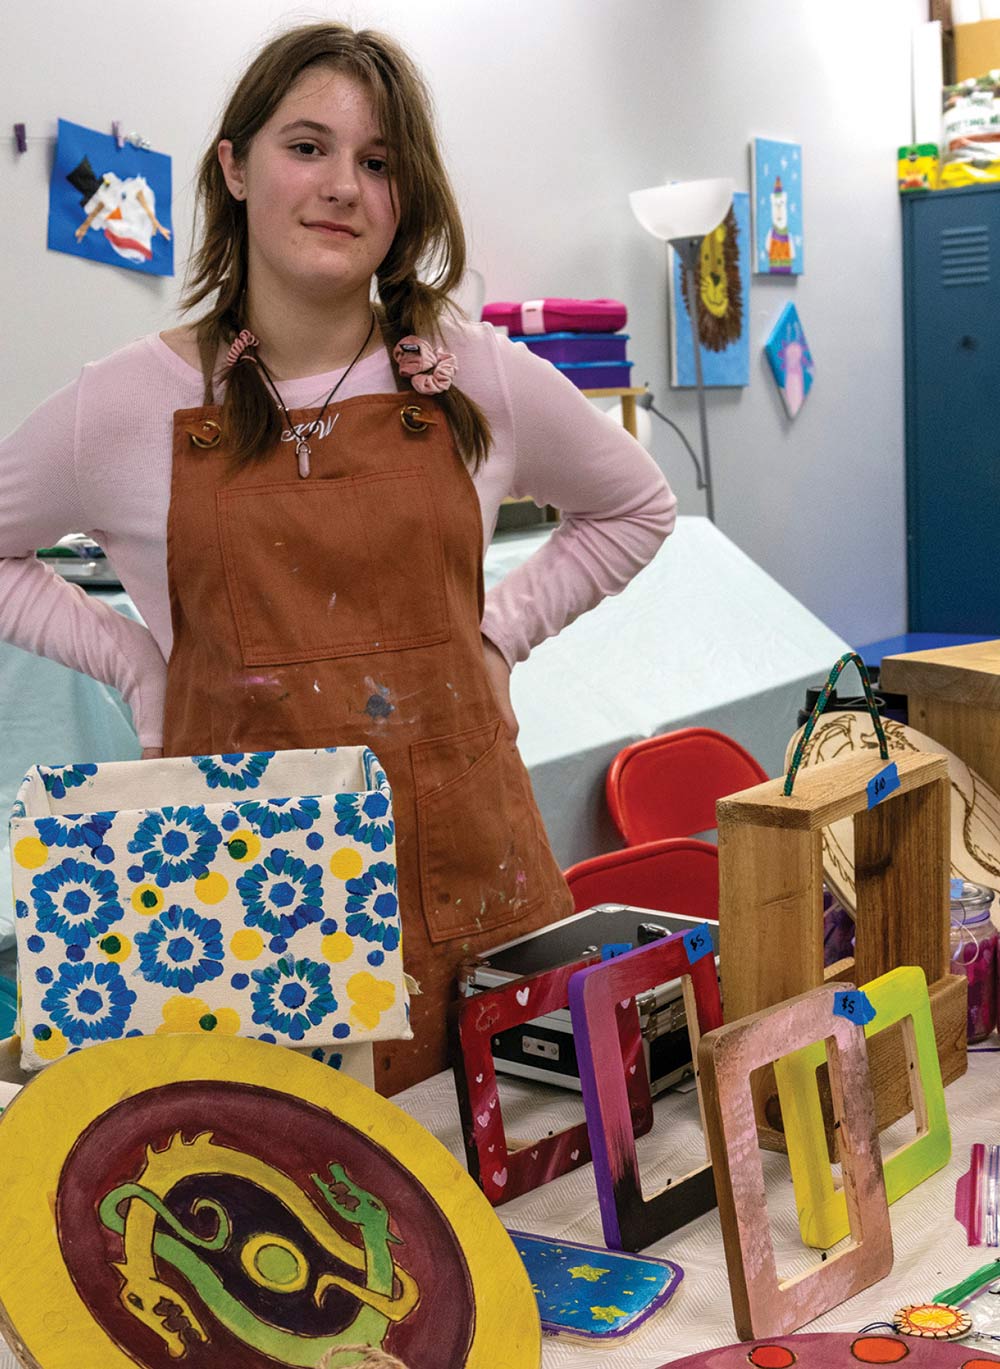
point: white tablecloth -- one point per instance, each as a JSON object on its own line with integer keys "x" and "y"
{"x": 931, "y": 1250}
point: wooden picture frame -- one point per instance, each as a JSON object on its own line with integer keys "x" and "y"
{"x": 899, "y": 996}
{"x": 763, "y": 1305}
{"x": 630, "y": 1221}
{"x": 504, "y": 1171}
{"x": 771, "y": 898}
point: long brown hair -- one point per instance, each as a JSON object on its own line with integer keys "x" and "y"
{"x": 429, "y": 237}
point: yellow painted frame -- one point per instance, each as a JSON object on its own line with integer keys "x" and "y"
{"x": 899, "y": 996}
{"x": 40, "y": 1127}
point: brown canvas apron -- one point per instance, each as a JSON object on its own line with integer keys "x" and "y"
{"x": 344, "y": 609}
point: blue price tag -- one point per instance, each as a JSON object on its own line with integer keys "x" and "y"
{"x": 855, "y": 1006}
{"x": 611, "y": 949}
{"x": 956, "y": 888}
{"x": 880, "y": 786}
{"x": 698, "y": 942}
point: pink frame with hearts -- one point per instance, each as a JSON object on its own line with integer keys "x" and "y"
{"x": 504, "y": 1171}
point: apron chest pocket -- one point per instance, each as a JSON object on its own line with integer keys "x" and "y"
{"x": 318, "y": 569}
{"x": 480, "y": 866}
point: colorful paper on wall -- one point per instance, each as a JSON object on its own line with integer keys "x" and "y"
{"x": 777, "y": 205}
{"x": 110, "y": 204}
{"x": 723, "y": 305}
{"x": 791, "y": 360}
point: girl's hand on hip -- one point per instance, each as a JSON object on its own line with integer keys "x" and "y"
{"x": 499, "y": 676}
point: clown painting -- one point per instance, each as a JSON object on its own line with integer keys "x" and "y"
{"x": 110, "y": 204}
{"x": 777, "y": 207}
{"x": 721, "y": 304}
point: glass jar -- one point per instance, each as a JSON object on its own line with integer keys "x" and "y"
{"x": 974, "y": 953}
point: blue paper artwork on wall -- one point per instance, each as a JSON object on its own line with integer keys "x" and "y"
{"x": 776, "y": 170}
{"x": 791, "y": 361}
{"x": 110, "y": 204}
{"x": 723, "y": 305}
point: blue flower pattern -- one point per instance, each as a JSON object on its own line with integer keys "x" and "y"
{"x": 292, "y": 996}
{"x": 238, "y": 770}
{"x": 76, "y": 901}
{"x": 181, "y": 949}
{"x": 372, "y": 906}
{"x": 176, "y": 844}
{"x": 58, "y": 778}
{"x": 366, "y": 817}
{"x": 280, "y": 815}
{"x": 70, "y": 906}
{"x": 78, "y": 829}
{"x": 89, "y": 1002}
{"x": 282, "y": 894}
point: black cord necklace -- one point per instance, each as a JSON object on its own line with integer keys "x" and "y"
{"x": 302, "y": 449}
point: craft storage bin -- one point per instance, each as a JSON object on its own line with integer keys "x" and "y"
{"x": 598, "y": 375}
{"x": 974, "y": 954}
{"x": 252, "y": 894}
{"x": 567, "y": 348}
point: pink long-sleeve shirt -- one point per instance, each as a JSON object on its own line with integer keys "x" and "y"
{"x": 96, "y": 458}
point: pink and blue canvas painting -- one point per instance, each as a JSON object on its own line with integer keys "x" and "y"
{"x": 777, "y": 207}
{"x": 722, "y": 305}
{"x": 791, "y": 361}
{"x": 110, "y": 204}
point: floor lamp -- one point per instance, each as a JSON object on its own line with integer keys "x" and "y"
{"x": 682, "y": 214}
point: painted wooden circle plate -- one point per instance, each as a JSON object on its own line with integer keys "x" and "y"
{"x": 838, "y": 1350}
{"x": 975, "y": 805}
{"x": 227, "y": 1204}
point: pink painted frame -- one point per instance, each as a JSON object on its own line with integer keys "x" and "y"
{"x": 763, "y": 1305}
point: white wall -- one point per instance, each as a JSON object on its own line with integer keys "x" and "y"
{"x": 551, "y": 111}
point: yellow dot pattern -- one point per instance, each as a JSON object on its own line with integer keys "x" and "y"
{"x": 30, "y": 853}
{"x": 147, "y": 900}
{"x": 114, "y": 946}
{"x": 244, "y": 845}
{"x": 53, "y": 1048}
{"x": 213, "y": 888}
{"x": 338, "y": 946}
{"x": 246, "y": 944}
{"x": 346, "y": 863}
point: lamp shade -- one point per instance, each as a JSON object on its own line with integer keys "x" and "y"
{"x": 685, "y": 209}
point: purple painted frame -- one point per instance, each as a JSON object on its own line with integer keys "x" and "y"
{"x": 631, "y": 1222}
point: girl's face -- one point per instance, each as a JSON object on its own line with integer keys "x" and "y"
{"x": 320, "y": 211}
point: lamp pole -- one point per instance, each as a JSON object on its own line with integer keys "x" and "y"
{"x": 689, "y": 251}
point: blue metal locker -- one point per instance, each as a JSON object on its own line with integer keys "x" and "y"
{"x": 951, "y": 277}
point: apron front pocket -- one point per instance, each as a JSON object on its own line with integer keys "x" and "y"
{"x": 481, "y": 862}
{"x": 318, "y": 569}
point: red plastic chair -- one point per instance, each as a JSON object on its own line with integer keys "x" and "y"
{"x": 666, "y": 786}
{"x": 678, "y": 875}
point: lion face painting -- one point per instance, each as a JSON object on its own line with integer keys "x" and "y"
{"x": 720, "y": 290}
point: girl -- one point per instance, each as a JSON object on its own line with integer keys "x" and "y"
{"x": 296, "y": 490}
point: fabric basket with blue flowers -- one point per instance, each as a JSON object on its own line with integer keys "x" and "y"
{"x": 252, "y": 894}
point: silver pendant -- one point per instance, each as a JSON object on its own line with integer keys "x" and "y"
{"x": 303, "y": 454}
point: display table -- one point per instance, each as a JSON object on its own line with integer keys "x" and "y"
{"x": 931, "y": 1250}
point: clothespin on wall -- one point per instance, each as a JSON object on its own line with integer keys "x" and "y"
{"x": 137, "y": 140}
{"x": 21, "y": 137}
{"x": 116, "y": 133}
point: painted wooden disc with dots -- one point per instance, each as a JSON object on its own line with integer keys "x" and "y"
{"x": 227, "y": 1204}
{"x": 838, "y": 1350}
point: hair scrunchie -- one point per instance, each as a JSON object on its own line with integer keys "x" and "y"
{"x": 240, "y": 350}
{"x": 430, "y": 369}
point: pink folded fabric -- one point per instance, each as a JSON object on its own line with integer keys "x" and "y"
{"x": 558, "y": 316}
